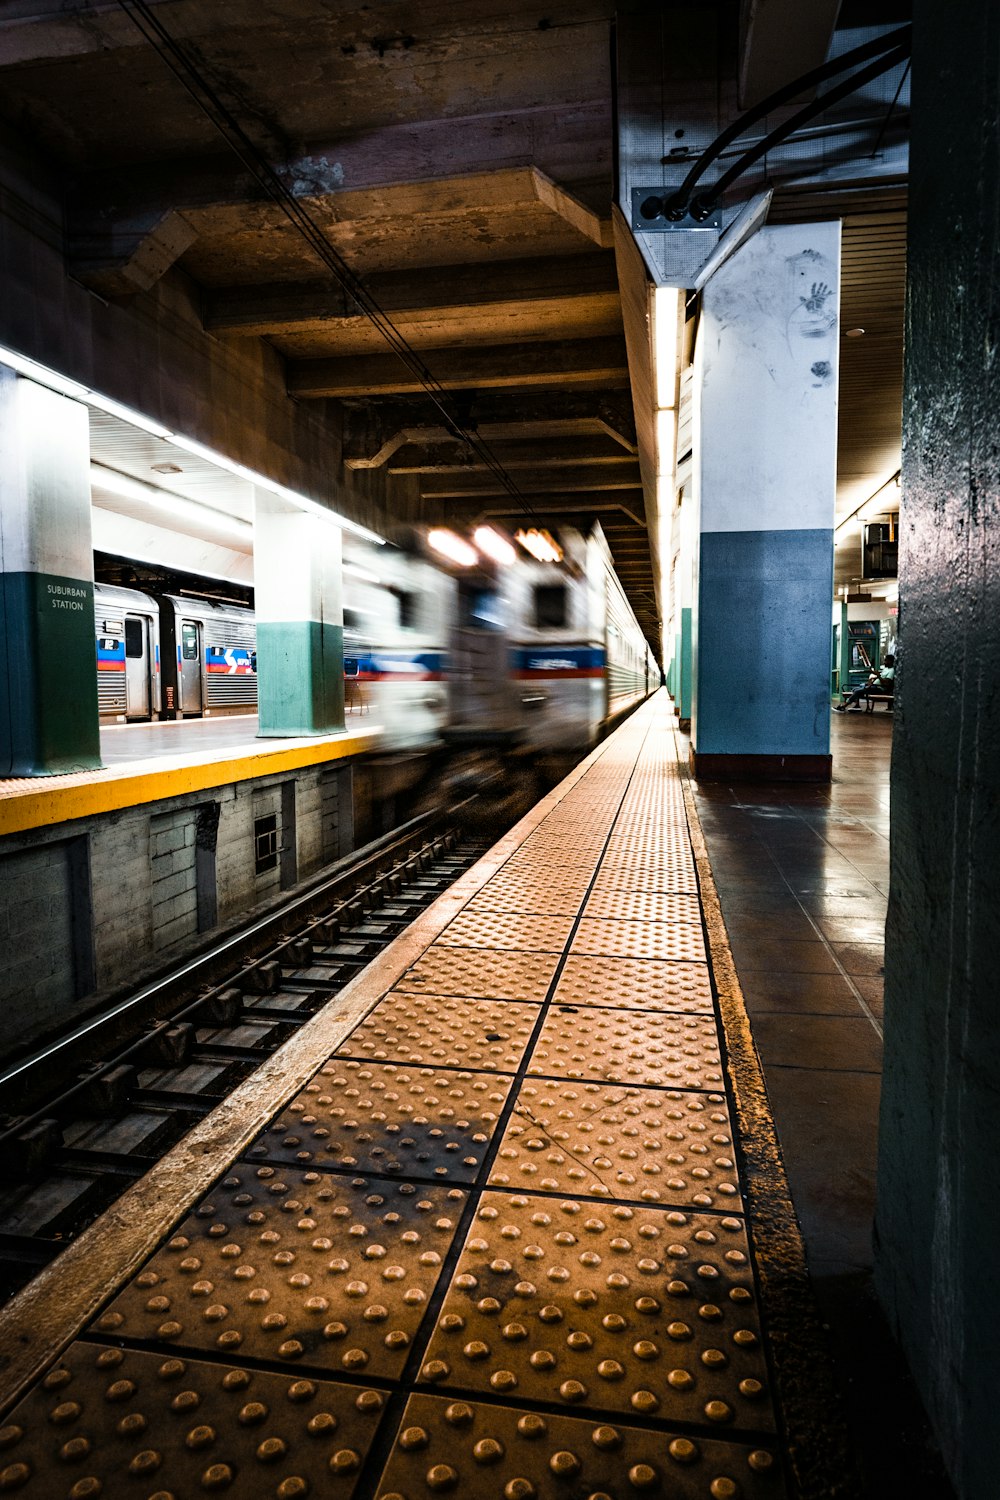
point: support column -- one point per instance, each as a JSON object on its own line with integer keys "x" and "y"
{"x": 765, "y": 470}
{"x": 48, "y": 672}
{"x": 936, "y": 1214}
{"x": 300, "y": 622}
{"x": 685, "y": 590}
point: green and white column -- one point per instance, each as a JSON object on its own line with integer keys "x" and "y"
{"x": 300, "y": 621}
{"x": 48, "y": 672}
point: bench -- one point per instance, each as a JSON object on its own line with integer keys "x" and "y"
{"x": 873, "y": 696}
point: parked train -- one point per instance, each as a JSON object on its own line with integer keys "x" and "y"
{"x": 172, "y": 656}
{"x": 537, "y": 656}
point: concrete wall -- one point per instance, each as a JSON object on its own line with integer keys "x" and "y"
{"x": 152, "y": 354}
{"x": 936, "y": 1220}
{"x": 85, "y": 905}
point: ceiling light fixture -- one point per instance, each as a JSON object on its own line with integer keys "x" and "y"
{"x": 540, "y": 544}
{"x": 493, "y": 545}
{"x": 170, "y": 504}
{"x": 450, "y": 545}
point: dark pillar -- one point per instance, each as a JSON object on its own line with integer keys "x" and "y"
{"x": 938, "y": 1219}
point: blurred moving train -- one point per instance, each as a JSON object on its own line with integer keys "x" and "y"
{"x": 537, "y": 656}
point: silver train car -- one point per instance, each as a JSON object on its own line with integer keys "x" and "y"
{"x": 172, "y": 657}
{"x": 545, "y": 656}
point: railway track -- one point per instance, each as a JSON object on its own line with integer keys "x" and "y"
{"x": 91, "y": 1113}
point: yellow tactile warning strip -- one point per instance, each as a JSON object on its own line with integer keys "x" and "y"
{"x": 38, "y": 802}
{"x": 495, "y": 1245}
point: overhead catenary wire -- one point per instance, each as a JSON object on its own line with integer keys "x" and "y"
{"x": 269, "y": 180}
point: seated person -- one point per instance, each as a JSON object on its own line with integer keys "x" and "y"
{"x": 882, "y": 680}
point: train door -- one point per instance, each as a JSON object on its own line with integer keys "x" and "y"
{"x": 480, "y": 690}
{"x": 189, "y": 667}
{"x": 138, "y": 688}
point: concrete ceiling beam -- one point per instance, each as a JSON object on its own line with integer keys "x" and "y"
{"x": 455, "y": 457}
{"x": 472, "y": 289}
{"x": 374, "y": 431}
{"x": 585, "y": 361}
{"x": 391, "y": 181}
{"x": 780, "y": 40}
{"x": 570, "y": 480}
{"x": 119, "y": 260}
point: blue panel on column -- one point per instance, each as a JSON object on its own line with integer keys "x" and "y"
{"x": 764, "y": 643}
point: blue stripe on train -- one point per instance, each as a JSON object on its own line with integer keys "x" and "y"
{"x": 557, "y": 661}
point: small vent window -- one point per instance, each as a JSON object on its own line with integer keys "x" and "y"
{"x": 550, "y": 606}
{"x": 265, "y": 843}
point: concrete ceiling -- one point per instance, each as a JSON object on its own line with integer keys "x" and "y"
{"x": 459, "y": 158}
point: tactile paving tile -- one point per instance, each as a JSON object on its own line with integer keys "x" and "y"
{"x": 645, "y": 875}
{"x": 635, "y": 984}
{"x": 499, "y": 1452}
{"x": 531, "y": 933}
{"x": 681, "y": 941}
{"x": 620, "y": 1309}
{"x": 645, "y": 1047}
{"x": 480, "y": 974}
{"x": 379, "y": 1117}
{"x": 295, "y": 1266}
{"x": 643, "y": 906}
{"x": 115, "y": 1422}
{"x": 603, "y": 1141}
{"x": 442, "y": 1031}
{"x": 522, "y": 897}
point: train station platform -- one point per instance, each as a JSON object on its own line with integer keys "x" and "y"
{"x": 508, "y": 1217}
{"x": 146, "y": 763}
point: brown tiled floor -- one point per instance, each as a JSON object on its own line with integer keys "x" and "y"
{"x": 803, "y": 875}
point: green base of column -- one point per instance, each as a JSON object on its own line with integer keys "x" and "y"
{"x": 300, "y": 678}
{"x": 49, "y": 723}
{"x": 684, "y": 652}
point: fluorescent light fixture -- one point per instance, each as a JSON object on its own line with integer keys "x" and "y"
{"x": 301, "y": 502}
{"x": 666, "y": 438}
{"x": 450, "y": 545}
{"x": 540, "y": 544}
{"x": 666, "y": 312}
{"x": 492, "y": 544}
{"x": 176, "y": 506}
{"x": 64, "y": 386}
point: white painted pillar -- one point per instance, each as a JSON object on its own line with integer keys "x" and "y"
{"x": 765, "y": 466}
{"x": 48, "y": 666}
{"x": 300, "y": 619}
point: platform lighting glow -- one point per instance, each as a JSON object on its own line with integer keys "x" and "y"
{"x": 666, "y": 311}
{"x": 177, "y": 506}
{"x": 64, "y": 386}
{"x": 493, "y": 545}
{"x": 450, "y": 545}
{"x": 540, "y": 544}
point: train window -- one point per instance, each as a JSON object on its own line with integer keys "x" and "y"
{"x": 134, "y": 633}
{"x": 407, "y": 602}
{"x": 550, "y": 605}
{"x": 265, "y": 843}
{"x": 352, "y": 619}
{"x": 482, "y": 608}
{"x": 189, "y": 641}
